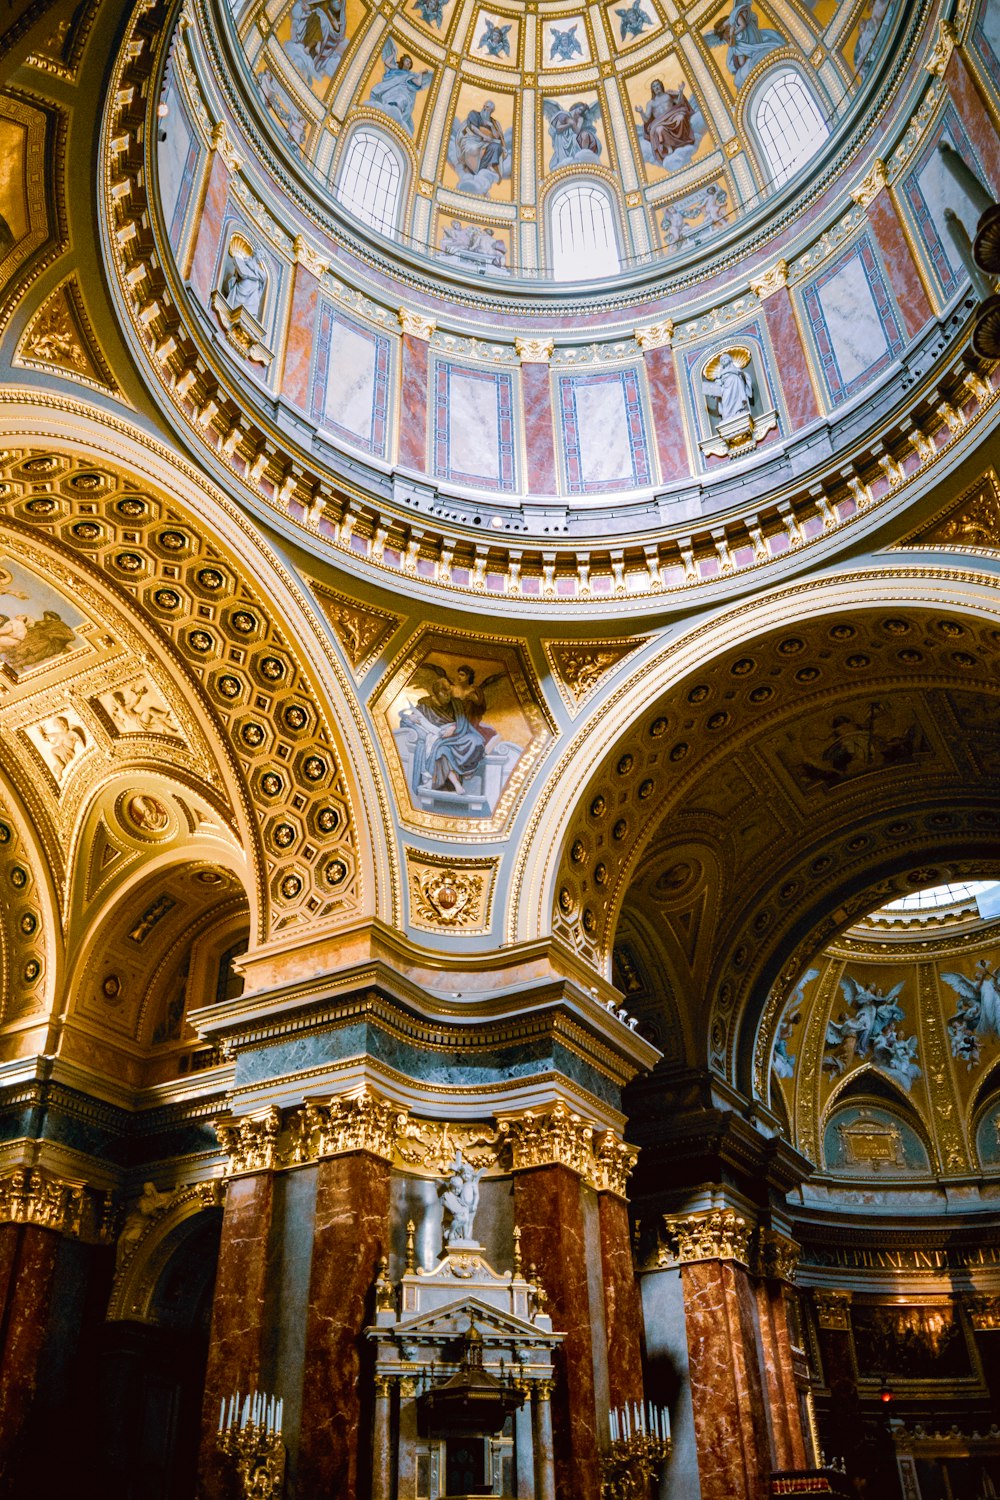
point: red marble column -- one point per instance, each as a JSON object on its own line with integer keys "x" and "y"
{"x": 898, "y": 260}
{"x": 796, "y": 384}
{"x": 549, "y": 1212}
{"x": 664, "y": 397}
{"x": 350, "y": 1237}
{"x": 414, "y": 400}
{"x": 539, "y": 433}
{"x": 729, "y": 1416}
{"x": 842, "y": 1431}
{"x": 27, "y": 1268}
{"x": 239, "y": 1314}
{"x": 213, "y": 210}
{"x": 301, "y": 335}
{"x": 975, "y": 117}
{"x": 622, "y": 1303}
{"x": 788, "y": 1444}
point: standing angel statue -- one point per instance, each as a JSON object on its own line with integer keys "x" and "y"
{"x": 460, "y": 1196}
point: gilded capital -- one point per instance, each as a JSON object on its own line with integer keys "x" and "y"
{"x": 224, "y": 146}
{"x": 833, "y": 1308}
{"x": 545, "y": 1137}
{"x": 308, "y": 256}
{"x": 771, "y": 281}
{"x": 361, "y": 1121}
{"x": 945, "y": 45}
{"x": 656, "y": 336}
{"x": 534, "y": 351}
{"x": 251, "y": 1143}
{"x": 28, "y": 1196}
{"x": 416, "y": 324}
{"x": 614, "y": 1162}
{"x": 778, "y": 1256}
{"x": 872, "y": 184}
{"x": 715, "y": 1234}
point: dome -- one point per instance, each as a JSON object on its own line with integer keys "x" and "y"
{"x": 560, "y": 141}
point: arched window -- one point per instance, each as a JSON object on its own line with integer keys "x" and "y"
{"x": 788, "y": 124}
{"x": 583, "y": 241}
{"x": 370, "y": 179}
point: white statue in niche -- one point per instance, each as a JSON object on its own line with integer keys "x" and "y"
{"x": 731, "y": 389}
{"x": 728, "y": 387}
{"x": 460, "y": 1196}
{"x": 245, "y": 281}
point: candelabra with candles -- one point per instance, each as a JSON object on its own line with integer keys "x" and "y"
{"x": 250, "y": 1435}
{"x": 640, "y": 1445}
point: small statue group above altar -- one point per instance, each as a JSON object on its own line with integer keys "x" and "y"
{"x": 460, "y": 1196}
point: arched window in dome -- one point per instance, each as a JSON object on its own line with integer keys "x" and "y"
{"x": 369, "y": 184}
{"x": 583, "y": 242}
{"x": 787, "y": 123}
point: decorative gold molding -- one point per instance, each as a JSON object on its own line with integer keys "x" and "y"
{"x": 833, "y": 1308}
{"x": 308, "y": 256}
{"x": 60, "y": 339}
{"x": 447, "y": 895}
{"x": 224, "y": 146}
{"x": 770, "y": 281}
{"x": 363, "y": 1121}
{"x": 872, "y": 183}
{"x": 971, "y": 521}
{"x": 251, "y": 1143}
{"x": 30, "y": 1196}
{"x": 416, "y": 324}
{"x": 713, "y": 1234}
{"x": 656, "y": 336}
{"x": 558, "y": 1136}
{"x": 777, "y": 1256}
{"x": 537, "y": 351}
{"x": 614, "y": 1163}
{"x": 361, "y": 629}
{"x": 947, "y": 41}
{"x": 579, "y": 667}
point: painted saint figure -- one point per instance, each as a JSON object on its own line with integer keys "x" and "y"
{"x": 572, "y": 132}
{"x": 397, "y": 91}
{"x": 633, "y": 20}
{"x": 667, "y": 120}
{"x": 449, "y": 724}
{"x": 745, "y": 40}
{"x": 481, "y": 151}
{"x": 317, "y": 38}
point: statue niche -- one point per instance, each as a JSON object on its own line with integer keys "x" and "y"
{"x": 240, "y": 300}
{"x": 734, "y": 403}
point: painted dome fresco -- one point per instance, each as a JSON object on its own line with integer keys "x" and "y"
{"x": 494, "y": 136}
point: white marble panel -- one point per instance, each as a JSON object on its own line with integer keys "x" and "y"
{"x": 991, "y": 24}
{"x": 941, "y": 191}
{"x": 172, "y": 154}
{"x": 350, "y": 392}
{"x": 852, "y": 318}
{"x": 474, "y": 426}
{"x": 605, "y": 452}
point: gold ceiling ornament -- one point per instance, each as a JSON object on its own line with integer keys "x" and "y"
{"x": 534, "y": 351}
{"x": 984, "y": 1311}
{"x": 60, "y": 339}
{"x": 971, "y": 521}
{"x": 770, "y": 281}
{"x": 868, "y": 189}
{"x": 947, "y": 40}
{"x": 361, "y": 629}
{"x": 833, "y": 1308}
{"x": 447, "y": 894}
{"x": 656, "y": 336}
{"x": 416, "y": 325}
{"x": 31, "y": 1196}
{"x": 251, "y": 1144}
{"x": 777, "y": 1256}
{"x": 714, "y": 1234}
{"x": 308, "y": 256}
{"x": 433, "y": 1145}
{"x": 579, "y": 667}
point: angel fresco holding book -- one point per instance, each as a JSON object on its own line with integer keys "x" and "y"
{"x": 573, "y": 132}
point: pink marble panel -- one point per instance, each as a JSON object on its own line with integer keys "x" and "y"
{"x": 976, "y": 118}
{"x": 213, "y": 210}
{"x": 301, "y": 335}
{"x": 413, "y": 404}
{"x": 664, "y": 400}
{"x": 536, "y": 398}
{"x": 790, "y": 358}
{"x": 900, "y": 266}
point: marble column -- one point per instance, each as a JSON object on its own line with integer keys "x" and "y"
{"x": 27, "y": 1270}
{"x": 664, "y": 397}
{"x": 898, "y": 259}
{"x": 727, "y": 1396}
{"x": 382, "y": 1440}
{"x": 206, "y": 248}
{"x": 975, "y": 117}
{"x": 416, "y": 396}
{"x": 549, "y": 1212}
{"x": 544, "y": 1451}
{"x": 239, "y": 1314}
{"x": 350, "y": 1237}
{"x": 781, "y": 1389}
{"x": 622, "y": 1303}
{"x": 789, "y": 353}
{"x": 842, "y": 1432}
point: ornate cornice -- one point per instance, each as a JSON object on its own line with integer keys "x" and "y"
{"x": 715, "y": 1234}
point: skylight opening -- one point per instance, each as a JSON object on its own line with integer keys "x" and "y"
{"x": 939, "y": 896}
{"x": 584, "y": 243}
{"x": 789, "y": 125}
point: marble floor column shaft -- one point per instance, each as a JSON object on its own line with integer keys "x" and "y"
{"x": 239, "y": 1310}
{"x": 622, "y": 1304}
{"x": 350, "y": 1236}
{"x": 27, "y": 1269}
{"x": 788, "y": 1442}
{"x": 382, "y": 1441}
{"x": 545, "y": 1470}
{"x": 549, "y": 1213}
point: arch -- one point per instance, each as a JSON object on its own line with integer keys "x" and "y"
{"x": 582, "y": 230}
{"x": 786, "y": 122}
{"x": 155, "y": 1238}
{"x": 371, "y": 178}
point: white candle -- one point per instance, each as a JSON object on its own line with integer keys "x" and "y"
{"x": 281, "y": 1410}
{"x": 245, "y": 1417}
{"x": 222, "y": 1411}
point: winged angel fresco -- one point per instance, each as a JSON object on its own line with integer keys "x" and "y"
{"x": 480, "y": 150}
{"x": 453, "y": 757}
{"x": 869, "y": 1029}
{"x": 746, "y": 41}
{"x": 573, "y": 132}
{"x": 977, "y": 1015}
{"x": 397, "y": 91}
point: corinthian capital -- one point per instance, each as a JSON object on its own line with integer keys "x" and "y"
{"x": 717, "y": 1234}
{"x": 251, "y": 1143}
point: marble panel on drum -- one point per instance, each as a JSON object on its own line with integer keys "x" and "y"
{"x": 178, "y": 164}
{"x": 930, "y": 190}
{"x": 351, "y": 382}
{"x": 603, "y": 430}
{"x": 986, "y": 37}
{"x": 473, "y": 426}
{"x": 854, "y": 322}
